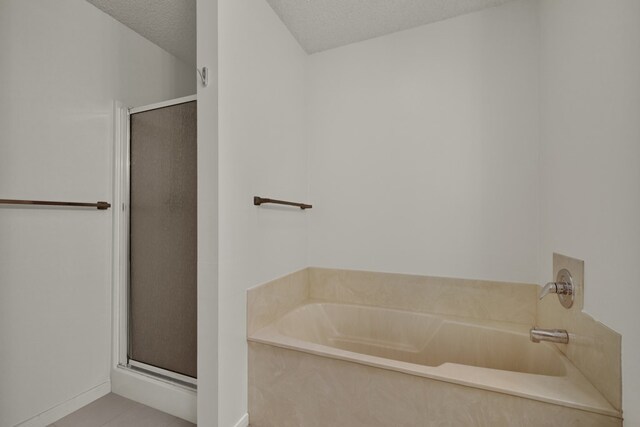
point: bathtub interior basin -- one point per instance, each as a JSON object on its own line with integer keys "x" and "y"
{"x": 419, "y": 338}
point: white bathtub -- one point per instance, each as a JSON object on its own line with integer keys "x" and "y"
{"x": 496, "y": 356}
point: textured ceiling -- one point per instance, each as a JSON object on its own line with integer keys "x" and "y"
{"x": 171, "y": 24}
{"x": 317, "y": 24}
{"x": 324, "y": 24}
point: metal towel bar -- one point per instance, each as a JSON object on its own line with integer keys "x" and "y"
{"x": 261, "y": 200}
{"x": 98, "y": 205}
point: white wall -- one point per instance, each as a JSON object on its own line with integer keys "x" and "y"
{"x": 62, "y": 64}
{"x": 424, "y": 149}
{"x": 262, "y": 151}
{"x": 207, "y": 33}
{"x": 590, "y": 161}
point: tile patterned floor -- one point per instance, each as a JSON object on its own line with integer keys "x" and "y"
{"x": 116, "y": 411}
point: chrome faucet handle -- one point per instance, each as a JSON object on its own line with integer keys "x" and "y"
{"x": 560, "y": 288}
{"x": 549, "y": 288}
{"x": 563, "y": 286}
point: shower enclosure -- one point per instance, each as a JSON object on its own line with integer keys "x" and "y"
{"x": 158, "y": 236}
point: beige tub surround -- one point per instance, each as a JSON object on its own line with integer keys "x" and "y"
{"x": 478, "y": 299}
{"x": 404, "y": 343}
{"x": 489, "y": 355}
{"x": 593, "y": 348}
{"x": 269, "y": 302}
{"x": 290, "y": 388}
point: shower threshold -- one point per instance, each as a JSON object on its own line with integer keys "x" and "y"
{"x": 162, "y": 374}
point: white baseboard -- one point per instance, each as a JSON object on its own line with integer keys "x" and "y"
{"x": 65, "y": 408}
{"x": 243, "y": 422}
{"x": 162, "y": 395}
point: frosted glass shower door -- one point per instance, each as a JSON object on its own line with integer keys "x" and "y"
{"x": 162, "y": 247}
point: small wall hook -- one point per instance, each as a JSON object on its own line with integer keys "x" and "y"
{"x": 204, "y": 76}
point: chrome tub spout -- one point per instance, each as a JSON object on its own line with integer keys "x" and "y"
{"x": 552, "y": 335}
